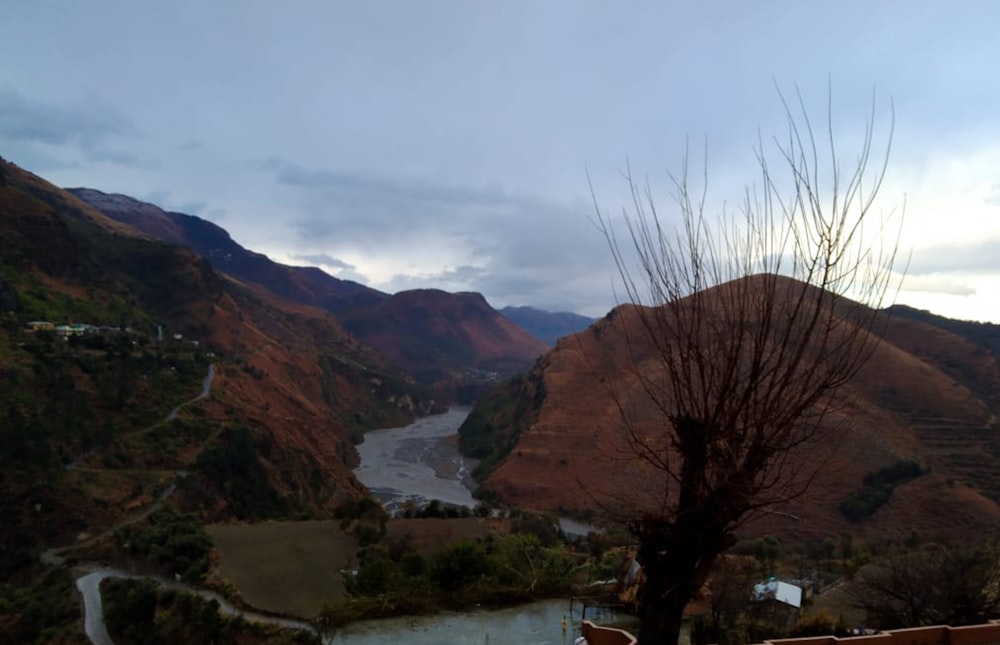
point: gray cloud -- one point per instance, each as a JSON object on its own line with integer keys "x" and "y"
{"x": 939, "y": 284}
{"x": 434, "y": 144}
{"x": 516, "y": 249}
{"x": 354, "y": 182}
{"x": 324, "y": 259}
{"x": 24, "y": 119}
{"x": 163, "y": 199}
{"x": 86, "y": 126}
{"x": 973, "y": 257}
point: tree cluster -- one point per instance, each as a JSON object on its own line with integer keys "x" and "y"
{"x": 935, "y": 585}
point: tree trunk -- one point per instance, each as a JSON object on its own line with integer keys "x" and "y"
{"x": 676, "y": 563}
{"x": 660, "y": 622}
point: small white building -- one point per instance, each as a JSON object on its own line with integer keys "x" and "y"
{"x": 782, "y": 592}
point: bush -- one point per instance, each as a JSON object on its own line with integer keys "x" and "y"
{"x": 458, "y": 565}
{"x": 877, "y": 489}
{"x": 171, "y": 541}
{"x": 820, "y": 624}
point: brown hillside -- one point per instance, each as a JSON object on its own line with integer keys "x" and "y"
{"x": 437, "y": 336}
{"x": 925, "y": 395}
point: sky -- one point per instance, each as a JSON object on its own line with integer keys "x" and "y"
{"x": 457, "y": 145}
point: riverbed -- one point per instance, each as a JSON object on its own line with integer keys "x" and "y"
{"x": 418, "y": 462}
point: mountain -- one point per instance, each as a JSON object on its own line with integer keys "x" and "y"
{"x": 983, "y": 333}
{"x": 544, "y": 325}
{"x": 84, "y": 437}
{"x": 442, "y": 337}
{"x": 453, "y": 342}
{"x": 927, "y": 395}
{"x": 306, "y": 285}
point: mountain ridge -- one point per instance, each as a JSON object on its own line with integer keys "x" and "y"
{"x": 422, "y": 330}
{"x": 547, "y": 326}
{"x": 927, "y": 394}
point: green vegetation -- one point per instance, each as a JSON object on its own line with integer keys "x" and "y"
{"x": 877, "y": 488}
{"x": 394, "y": 578}
{"x": 171, "y": 541}
{"x": 44, "y": 609}
{"x": 493, "y": 427}
{"x": 231, "y": 469}
{"x": 139, "y": 612}
{"x": 61, "y": 399}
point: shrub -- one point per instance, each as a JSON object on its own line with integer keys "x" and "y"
{"x": 458, "y": 565}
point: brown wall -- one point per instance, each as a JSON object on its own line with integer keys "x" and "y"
{"x": 988, "y": 634}
{"x": 937, "y": 635}
{"x": 606, "y": 635}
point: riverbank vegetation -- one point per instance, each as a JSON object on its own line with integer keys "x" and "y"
{"x": 402, "y": 574}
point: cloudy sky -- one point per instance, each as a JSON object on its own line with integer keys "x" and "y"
{"x": 448, "y": 144}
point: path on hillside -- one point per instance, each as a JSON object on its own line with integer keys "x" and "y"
{"x": 89, "y": 583}
{"x": 206, "y": 389}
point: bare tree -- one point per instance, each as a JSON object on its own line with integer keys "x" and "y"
{"x": 746, "y": 334}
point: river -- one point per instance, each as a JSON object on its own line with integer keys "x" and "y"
{"x": 418, "y": 462}
{"x": 421, "y": 462}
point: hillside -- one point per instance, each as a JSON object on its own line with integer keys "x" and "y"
{"x": 443, "y": 338}
{"x": 546, "y": 326}
{"x": 927, "y": 395}
{"x": 84, "y": 439}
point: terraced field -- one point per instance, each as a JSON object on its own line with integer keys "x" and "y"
{"x": 963, "y": 450}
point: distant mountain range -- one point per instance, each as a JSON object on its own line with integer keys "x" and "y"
{"x": 435, "y": 335}
{"x": 545, "y": 325}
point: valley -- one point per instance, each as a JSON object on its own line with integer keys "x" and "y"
{"x": 241, "y": 430}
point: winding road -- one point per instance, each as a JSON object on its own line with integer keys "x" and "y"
{"x": 89, "y": 586}
{"x": 89, "y": 583}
